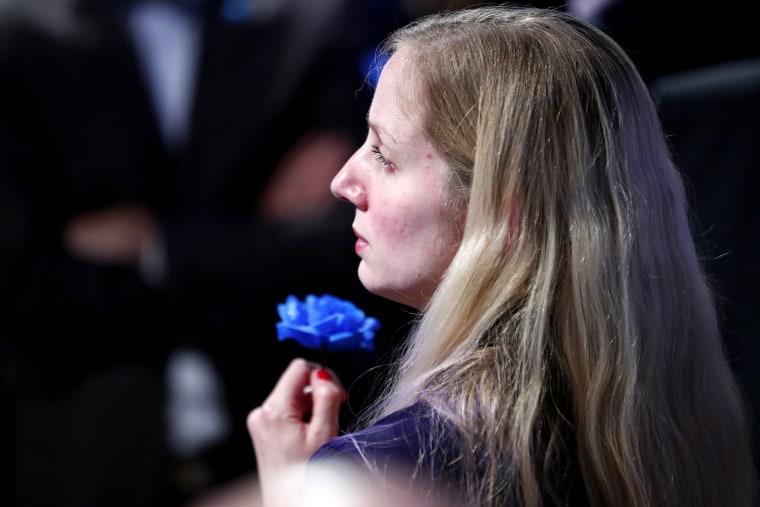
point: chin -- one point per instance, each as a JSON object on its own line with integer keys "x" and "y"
{"x": 392, "y": 293}
{"x": 401, "y": 298}
{"x": 383, "y": 292}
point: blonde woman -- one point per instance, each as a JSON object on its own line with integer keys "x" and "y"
{"x": 515, "y": 188}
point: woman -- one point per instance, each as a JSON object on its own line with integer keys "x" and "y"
{"x": 515, "y": 187}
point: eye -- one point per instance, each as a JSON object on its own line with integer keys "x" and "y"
{"x": 384, "y": 162}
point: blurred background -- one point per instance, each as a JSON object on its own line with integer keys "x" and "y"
{"x": 164, "y": 183}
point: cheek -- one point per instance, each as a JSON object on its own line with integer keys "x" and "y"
{"x": 398, "y": 224}
{"x": 416, "y": 241}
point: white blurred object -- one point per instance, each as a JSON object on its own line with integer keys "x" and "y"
{"x": 196, "y": 415}
{"x": 167, "y": 40}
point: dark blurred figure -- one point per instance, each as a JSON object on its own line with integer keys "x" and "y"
{"x": 164, "y": 183}
{"x": 707, "y": 81}
{"x": 666, "y": 36}
{"x": 712, "y": 115}
{"x": 706, "y": 77}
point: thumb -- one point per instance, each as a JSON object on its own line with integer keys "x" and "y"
{"x": 327, "y": 396}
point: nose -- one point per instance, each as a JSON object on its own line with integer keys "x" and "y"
{"x": 347, "y": 188}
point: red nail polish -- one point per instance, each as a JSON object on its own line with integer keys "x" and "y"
{"x": 323, "y": 374}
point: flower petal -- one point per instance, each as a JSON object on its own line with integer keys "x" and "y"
{"x": 325, "y": 322}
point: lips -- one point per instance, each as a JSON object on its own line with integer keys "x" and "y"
{"x": 361, "y": 243}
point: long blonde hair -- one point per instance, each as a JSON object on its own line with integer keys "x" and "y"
{"x": 574, "y": 323}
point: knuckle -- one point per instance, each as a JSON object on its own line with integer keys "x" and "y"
{"x": 254, "y": 418}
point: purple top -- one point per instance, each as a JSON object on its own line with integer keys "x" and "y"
{"x": 412, "y": 441}
{"x": 416, "y": 442}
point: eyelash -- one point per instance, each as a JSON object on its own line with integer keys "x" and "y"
{"x": 381, "y": 158}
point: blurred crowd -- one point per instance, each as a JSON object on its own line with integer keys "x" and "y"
{"x": 164, "y": 183}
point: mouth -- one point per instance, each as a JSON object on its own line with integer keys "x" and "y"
{"x": 361, "y": 243}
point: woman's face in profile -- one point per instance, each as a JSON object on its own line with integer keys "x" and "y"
{"x": 406, "y": 233}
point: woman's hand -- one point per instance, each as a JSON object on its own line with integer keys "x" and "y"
{"x": 298, "y": 417}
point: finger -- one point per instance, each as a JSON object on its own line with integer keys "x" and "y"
{"x": 327, "y": 396}
{"x": 288, "y": 395}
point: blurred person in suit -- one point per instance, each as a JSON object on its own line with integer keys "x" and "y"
{"x": 164, "y": 181}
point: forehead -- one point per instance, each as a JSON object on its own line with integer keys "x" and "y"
{"x": 394, "y": 106}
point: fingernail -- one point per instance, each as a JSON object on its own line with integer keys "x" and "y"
{"x": 323, "y": 374}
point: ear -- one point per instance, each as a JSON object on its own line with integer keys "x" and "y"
{"x": 514, "y": 222}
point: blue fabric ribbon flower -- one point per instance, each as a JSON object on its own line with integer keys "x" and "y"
{"x": 326, "y": 323}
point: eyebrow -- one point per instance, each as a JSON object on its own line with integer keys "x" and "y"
{"x": 381, "y": 132}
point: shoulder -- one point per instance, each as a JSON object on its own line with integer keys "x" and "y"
{"x": 413, "y": 442}
{"x": 37, "y": 29}
{"x": 728, "y": 84}
{"x": 399, "y": 434}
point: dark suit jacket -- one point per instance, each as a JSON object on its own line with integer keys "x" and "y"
{"x": 77, "y": 132}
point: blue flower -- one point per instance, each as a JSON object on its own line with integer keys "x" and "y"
{"x": 325, "y": 323}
